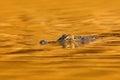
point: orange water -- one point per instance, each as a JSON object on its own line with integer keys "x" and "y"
{"x": 24, "y": 23}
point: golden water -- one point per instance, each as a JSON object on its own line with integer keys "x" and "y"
{"x": 24, "y": 23}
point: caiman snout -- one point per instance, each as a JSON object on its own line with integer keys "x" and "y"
{"x": 43, "y": 42}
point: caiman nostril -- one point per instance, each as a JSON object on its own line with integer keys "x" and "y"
{"x": 43, "y": 42}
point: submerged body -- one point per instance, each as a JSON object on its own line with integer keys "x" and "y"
{"x": 71, "y": 41}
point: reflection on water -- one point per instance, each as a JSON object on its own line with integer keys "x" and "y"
{"x": 23, "y": 58}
